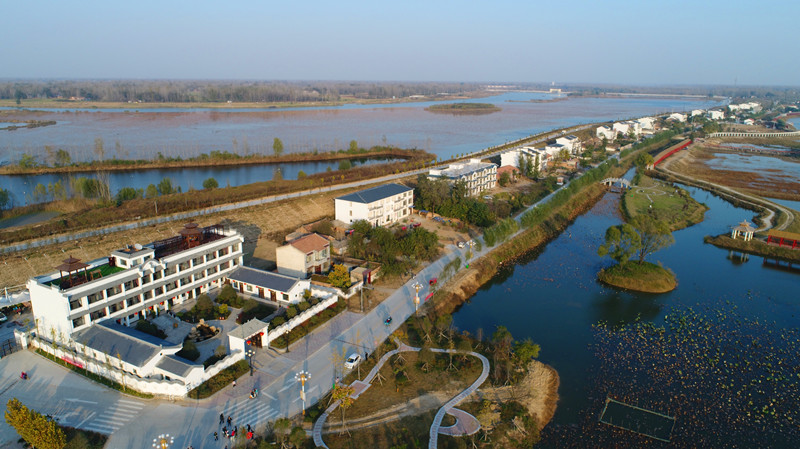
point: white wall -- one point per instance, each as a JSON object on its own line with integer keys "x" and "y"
{"x": 291, "y": 261}
{"x": 343, "y": 208}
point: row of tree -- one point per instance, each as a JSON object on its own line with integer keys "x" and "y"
{"x": 174, "y": 91}
{"x": 437, "y": 195}
{"x": 397, "y": 250}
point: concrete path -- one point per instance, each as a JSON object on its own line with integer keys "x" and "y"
{"x": 466, "y": 424}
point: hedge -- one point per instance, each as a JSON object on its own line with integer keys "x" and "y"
{"x": 220, "y": 381}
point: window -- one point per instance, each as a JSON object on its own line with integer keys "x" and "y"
{"x": 235, "y": 284}
{"x": 131, "y": 284}
{"x": 159, "y": 291}
{"x": 135, "y": 300}
{"x": 76, "y": 304}
{"x": 157, "y": 275}
{"x": 308, "y": 257}
{"x": 146, "y": 279}
{"x": 147, "y": 295}
{"x": 170, "y": 271}
{"x": 115, "y": 307}
{"x": 98, "y": 314}
{"x": 186, "y": 281}
{"x": 197, "y": 261}
{"x": 78, "y": 322}
{"x": 184, "y": 266}
{"x": 223, "y": 252}
{"x": 285, "y": 297}
{"x": 113, "y": 291}
{"x": 94, "y": 297}
{"x": 211, "y": 256}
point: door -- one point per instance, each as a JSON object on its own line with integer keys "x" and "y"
{"x": 260, "y": 292}
{"x": 273, "y": 296}
{"x": 241, "y": 287}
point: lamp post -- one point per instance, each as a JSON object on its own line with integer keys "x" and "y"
{"x": 163, "y": 441}
{"x": 417, "y": 287}
{"x": 303, "y": 376}
{"x": 250, "y": 353}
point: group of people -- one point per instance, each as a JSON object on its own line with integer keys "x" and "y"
{"x": 229, "y": 430}
{"x": 253, "y": 393}
{"x": 23, "y": 376}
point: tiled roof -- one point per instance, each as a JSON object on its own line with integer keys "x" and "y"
{"x": 310, "y": 242}
{"x": 178, "y": 366}
{"x": 248, "y": 329}
{"x": 375, "y": 193}
{"x": 266, "y": 279}
{"x": 131, "y": 346}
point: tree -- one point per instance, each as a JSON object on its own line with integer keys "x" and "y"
{"x": 525, "y": 350}
{"x": 282, "y": 428}
{"x": 343, "y": 394}
{"x": 426, "y": 357}
{"x": 353, "y": 146}
{"x": 210, "y": 183}
{"x": 27, "y": 161}
{"x": 653, "y": 235}
{"x": 644, "y": 160}
{"x": 37, "y": 430}
{"x": 99, "y": 148}
{"x": 18, "y": 96}
{"x": 151, "y": 191}
{"x": 622, "y": 242}
{"x": 298, "y": 437}
{"x": 277, "y": 146}
{"x": 535, "y": 173}
{"x": 522, "y": 164}
{"x": 504, "y": 180}
{"x": 339, "y": 277}
{"x": 165, "y": 187}
{"x": 345, "y": 164}
{"x": 127, "y": 193}
{"x": 5, "y": 198}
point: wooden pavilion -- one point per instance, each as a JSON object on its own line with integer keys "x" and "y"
{"x": 72, "y": 265}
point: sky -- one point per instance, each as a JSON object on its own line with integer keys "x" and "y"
{"x": 646, "y": 42}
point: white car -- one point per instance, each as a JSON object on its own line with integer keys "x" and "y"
{"x": 3, "y": 318}
{"x": 460, "y": 244}
{"x": 352, "y": 361}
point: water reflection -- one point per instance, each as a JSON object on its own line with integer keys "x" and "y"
{"x": 623, "y": 308}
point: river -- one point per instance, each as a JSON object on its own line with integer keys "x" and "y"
{"x": 552, "y": 296}
{"x": 143, "y": 133}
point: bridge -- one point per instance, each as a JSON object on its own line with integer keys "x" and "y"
{"x": 738, "y": 134}
{"x": 614, "y": 181}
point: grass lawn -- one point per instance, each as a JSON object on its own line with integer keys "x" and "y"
{"x": 670, "y": 204}
{"x": 646, "y": 277}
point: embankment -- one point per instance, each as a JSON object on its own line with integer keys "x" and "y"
{"x": 755, "y": 247}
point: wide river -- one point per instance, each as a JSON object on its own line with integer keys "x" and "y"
{"x": 552, "y": 296}
{"x": 143, "y": 133}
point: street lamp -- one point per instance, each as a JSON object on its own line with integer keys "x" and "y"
{"x": 250, "y": 353}
{"x": 163, "y": 441}
{"x": 417, "y": 287}
{"x": 303, "y": 376}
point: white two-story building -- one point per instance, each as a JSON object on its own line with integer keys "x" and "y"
{"x": 134, "y": 281}
{"x": 531, "y": 155}
{"x": 304, "y": 256}
{"x": 571, "y": 143}
{"x": 478, "y": 176}
{"x": 381, "y": 205}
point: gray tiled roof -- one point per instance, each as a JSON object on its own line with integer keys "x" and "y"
{"x": 375, "y": 193}
{"x": 266, "y": 279}
{"x": 178, "y": 366}
{"x": 248, "y": 329}
{"x": 132, "y": 346}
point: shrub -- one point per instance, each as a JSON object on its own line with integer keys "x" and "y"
{"x": 220, "y": 381}
{"x": 189, "y": 351}
{"x": 303, "y": 306}
{"x": 278, "y": 320}
{"x": 150, "y": 328}
{"x": 291, "y": 312}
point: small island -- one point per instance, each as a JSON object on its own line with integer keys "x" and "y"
{"x": 652, "y": 209}
{"x": 463, "y": 108}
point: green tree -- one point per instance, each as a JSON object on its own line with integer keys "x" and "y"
{"x": 622, "y": 242}
{"x": 353, "y": 146}
{"x": 210, "y": 183}
{"x": 339, "y": 277}
{"x": 27, "y": 161}
{"x": 298, "y": 437}
{"x": 151, "y": 191}
{"x": 526, "y": 350}
{"x": 165, "y": 187}
{"x": 345, "y": 164}
{"x": 522, "y": 164}
{"x": 301, "y": 174}
{"x": 535, "y": 172}
{"x": 643, "y": 160}
{"x": 35, "y": 429}
{"x": 5, "y": 199}
{"x": 18, "y": 96}
{"x": 127, "y": 194}
{"x": 653, "y": 235}
{"x": 282, "y": 429}
{"x": 62, "y": 158}
{"x": 343, "y": 394}
{"x": 277, "y": 146}
{"x": 504, "y": 179}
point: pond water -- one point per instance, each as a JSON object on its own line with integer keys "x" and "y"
{"x": 750, "y": 162}
{"x": 552, "y": 296}
{"x": 128, "y": 134}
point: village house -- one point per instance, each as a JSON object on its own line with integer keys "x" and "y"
{"x": 381, "y": 205}
{"x": 678, "y": 117}
{"x": 478, "y": 176}
{"x": 304, "y": 256}
{"x": 571, "y": 143}
{"x": 716, "y": 115}
{"x": 511, "y": 157}
{"x": 605, "y": 131}
{"x": 280, "y": 289}
{"x": 626, "y": 128}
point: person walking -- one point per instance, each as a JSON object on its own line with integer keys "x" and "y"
{"x": 221, "y": 418}
{"x": 216, "y": 436}
{"x": 230, "y": 420}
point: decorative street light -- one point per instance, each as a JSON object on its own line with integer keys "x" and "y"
{"x": 303, "y": 376}
{"x": 163, "y": 441}
{"x": 417, "y": 287}
{"x": 250, "y": 353}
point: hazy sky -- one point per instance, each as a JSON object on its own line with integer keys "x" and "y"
{"x": 636, "y": 41}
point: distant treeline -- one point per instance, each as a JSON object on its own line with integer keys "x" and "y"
{"x": 184, "y": 91}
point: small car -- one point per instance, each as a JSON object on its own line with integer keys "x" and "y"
{"x": 3, "y": 317}
{"x": 460, "y": 244}
{"x": 352, "y": 361}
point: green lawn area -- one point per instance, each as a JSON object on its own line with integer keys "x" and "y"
{"x": 105, "y": 270}
{"x": 665, "y": 202}
{"x": 645, "y": 277}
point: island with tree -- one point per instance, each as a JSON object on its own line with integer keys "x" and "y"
{"x": 652, "y": 210}
{"x": 463, "y": 108}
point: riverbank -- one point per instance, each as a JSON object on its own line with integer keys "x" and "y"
{"x": 645, "y": 277}
{"x": 755, "y": 247}
{"x": 463, "y": 108}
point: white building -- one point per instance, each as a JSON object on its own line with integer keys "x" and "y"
{"x": 134, "y": 281}
{"x": 678, "y": 117}
{"x": 605, "y": 131}
{"x": 749, "y": 121}
{"x": 696, "y": 112}
{"x": 627, "y": 127}
{"x": 380, "y": 205}
{"x": 278, "y": 288}
{"x": 303, "y": 256}
{"x": 716, "y": 115}
{"x": 511, "y": 157}
{"x": 572, "y": 143}
{"x": 554, "y": 150}
{"x": 745, "y": 107}
{"x": 478, "y": 176}
{"x": 647, "y": 123}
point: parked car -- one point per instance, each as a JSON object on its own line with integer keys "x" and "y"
{"x": 460, "y": 244}
{"x": 3, "y": 317}
{"x": 352, "y": 361}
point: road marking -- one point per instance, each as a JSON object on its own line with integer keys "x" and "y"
{"x": 286, "y": 388}
{"x": 312, "y": 389}
{"x": 80, "y": 424}
{"x": 80, "y": 400}
{"x": 270, "y": 396}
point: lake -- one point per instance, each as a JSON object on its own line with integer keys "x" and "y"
{"x": 143, "y": 133}
{"x": 552, "y": 296}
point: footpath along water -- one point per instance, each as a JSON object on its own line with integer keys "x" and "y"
{"x": 552, "y": 296}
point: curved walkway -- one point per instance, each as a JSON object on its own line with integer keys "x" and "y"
{"x": 466, "y": 424}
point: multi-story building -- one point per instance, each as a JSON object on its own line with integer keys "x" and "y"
{"x": 531, "y": 154}
{"x": 607, "y": 132}
{"x": 478, "y": 176}
{"x": 626, "y": 128}
{"x": 716, "y": 115}
{"x": 571, "y": 143}
{"x": 381, "y": 205}
{"x": 304, "y": 255}
{"x": 134, "y": 280}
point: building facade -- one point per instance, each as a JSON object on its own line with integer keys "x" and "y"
{"x": 304, "y": 256}
{"x": 478, "y": 176}
{"x": 276, "y": 287}
{"x": 571, "y": 143}
{"x": 134, "y": 281}
{"x": 381, "y": 205}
